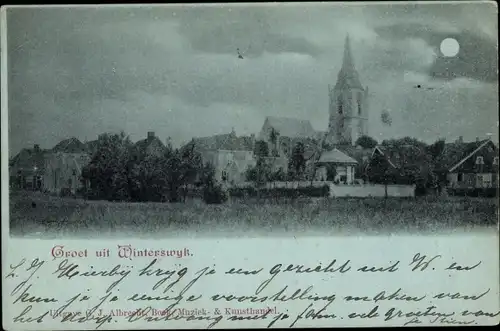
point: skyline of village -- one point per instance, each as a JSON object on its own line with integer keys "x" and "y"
{"x": 386, "y": 124}
{"x": 191, "y": 82}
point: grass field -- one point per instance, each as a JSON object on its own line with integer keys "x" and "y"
{"x": 53, "y": 217}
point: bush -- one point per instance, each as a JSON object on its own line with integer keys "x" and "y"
{"x": 309, "y": 191}
{"x": 474, "y": 192}
{"x": 65, "y": 192}
{"x": 214, "y": 195}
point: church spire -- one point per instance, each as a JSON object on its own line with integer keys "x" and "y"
{"x": 347, "y": 62}
{"x": 348, "y": 76}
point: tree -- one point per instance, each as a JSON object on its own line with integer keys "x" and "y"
{"x": 273, "y": 137}
{"x": 366, "y": 142}
{"x": 436, "y": 149}
{"x": 260, "y": 174}
{"x": 297, "y": 162}
{"x": 261, "y": 149}
{"x": 213, "y": 193}
{"x": 106, "y": 173}
{"x": 380, "y": 171}
{"x": 190, "y": 166}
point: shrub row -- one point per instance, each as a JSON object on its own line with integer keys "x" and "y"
{"x": 309, "y": 191}
{"x": 474, "y": 192}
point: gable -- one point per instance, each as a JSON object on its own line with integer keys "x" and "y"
{"x": 486, "y": 151}
{"x": 71, "y": 145}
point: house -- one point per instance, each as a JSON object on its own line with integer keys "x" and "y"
{"x": 63, "y": 172}
{"x": 230, "y": 155}
{"x": 336, "y": 166}
{"x": 470, "y": 166}
{"x": 71, "y": 145}
{"x": 151, "y": 145}
{"x": 362, "y": 157}
{"x": 63, "y": 166}
{"x": 91, "y": 146}
{"x": 286, "y": 129}
{"x": 27, "y": 167}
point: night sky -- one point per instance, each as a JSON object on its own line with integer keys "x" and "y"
{"x": 175, "y": 69}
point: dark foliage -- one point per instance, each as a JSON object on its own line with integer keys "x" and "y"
{"x": 297, "y": 162}
{"x": 121, "y": 171}
{"x": 261, "y": 149}
{"x": 366, "y": 142}
{"x": 213, "y": 193}
{"x": 309, "y": 191}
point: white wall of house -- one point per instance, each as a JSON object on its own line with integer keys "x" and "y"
{"x": 63, "y": 170}
{"x": 229, "y": 165}
{"x": 471, "y": 180}
{"x": 369, "y": 190}
{"x": 342, "y": 170}
{"x": 365, "y": 190}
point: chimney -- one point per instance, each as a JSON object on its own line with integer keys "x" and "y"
{"x": 477, "y": 139}
{"x": 460, "y": 139}
{"x": 151, "y": 135}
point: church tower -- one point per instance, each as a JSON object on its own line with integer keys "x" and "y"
{"x": 348, "y": 104}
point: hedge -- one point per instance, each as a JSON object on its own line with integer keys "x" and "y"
{"x": 474, "y": 192}
{"x": 309, "y": 191}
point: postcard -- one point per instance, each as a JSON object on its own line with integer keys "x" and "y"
{"x": 284, "y": 165}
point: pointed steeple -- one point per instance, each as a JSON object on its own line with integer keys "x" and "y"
{"x": 347, "y": 62}
{"x": 348, "y": 76}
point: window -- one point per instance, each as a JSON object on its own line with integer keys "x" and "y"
{"x": 224, "y": 175}
{"x": 339, "y": 103}
{"x": 479, "y": 160}
{"x": 460, "y": 177}
{"x": 480, "y": 180}
{"x": 495, "y": 160}
{"x": 360, "y": 103}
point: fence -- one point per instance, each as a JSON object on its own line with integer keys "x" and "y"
{"x": 371, "y": 190}
{"x": 361, "y": 190}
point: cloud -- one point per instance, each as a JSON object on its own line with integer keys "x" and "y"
{"x": 174, "y": 69}
{"x": 476, "y": 59}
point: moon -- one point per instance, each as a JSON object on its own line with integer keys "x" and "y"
{"x": 449, "y": 47}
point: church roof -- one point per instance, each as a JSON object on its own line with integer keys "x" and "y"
{"x": 291, "y": 127}
{"x": 336, "y": 156}
{"x": 348, "y": 76}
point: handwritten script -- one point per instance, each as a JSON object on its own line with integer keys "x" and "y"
{"x": 161, "y": 286}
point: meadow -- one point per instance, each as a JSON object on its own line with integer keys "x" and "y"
{"x": 46, "y": 217}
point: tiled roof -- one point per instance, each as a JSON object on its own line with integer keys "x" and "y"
{"x": 29, "y": 158}
{"x": 71, "y": 145}
{"x": 228, "y": 142}
{"x": 291, "y": 127}
{"x": 141, "y": 145}
{"x": 361, "y": 155}
{"x": 336, "y": 156}
{"x": 400, "y": 154}
{"x": 456, "y": 152}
